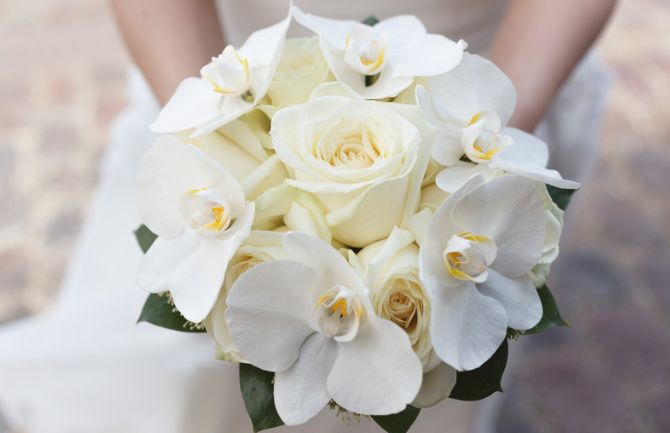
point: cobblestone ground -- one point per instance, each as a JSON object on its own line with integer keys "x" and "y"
{"x": 63, "y": 83}
{"x": 610, "y": 372}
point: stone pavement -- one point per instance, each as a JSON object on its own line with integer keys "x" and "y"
{"x": 610, "y": 372}
{"x": 62, "y": 82}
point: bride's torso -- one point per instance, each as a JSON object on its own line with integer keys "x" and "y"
{"x": 475, "y": 21}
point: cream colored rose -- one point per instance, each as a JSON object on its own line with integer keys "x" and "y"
{"x": 292, "y": 208}
{"x": 243, "y": 146}
{"x": 552, "y": 236}
{"x": 432, "y": 197}
{"x": 302, "y": 67}
{"x": 391, "y": 272}
{"x": 363, "y": 160}
{"x": 259, "y": 247}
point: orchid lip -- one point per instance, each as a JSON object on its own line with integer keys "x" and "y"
{"x": 338, "y": 313}
{"x": 468, "y": 256}
{"x": 207, "y": 212}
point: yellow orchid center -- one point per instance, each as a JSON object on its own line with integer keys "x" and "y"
{"x": 229, "y": 73}
{"x": 338, "y": 313}
{"x": 467, "y": 256}
{"x": 221, "y": 219}
{"x": 207, "y": 211}
{"x": 365, "y": 50}
{"x": 481, "y": 138}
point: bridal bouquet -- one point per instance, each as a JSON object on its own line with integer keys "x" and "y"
{"x": 351, "y": 220}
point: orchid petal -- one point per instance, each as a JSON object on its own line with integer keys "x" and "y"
{"x": 440, "y": 230}
{"x": 475, "y": 85}
{"x": 510, "y": 211}
{"x": 377, "y": 373}
{"x": 192, "y": 104}
{"x": 526, "y": 149}
{"x": 387, "y": 85}
{"x": 452, "y": 178}
{"x": 517, "y": 295}
{"x": 406, "y": 32}
{"x": 333, "y": 32}
{"x": 232, "y": 107}
{"x": 300, "y": 392}
{"x": 170, "y": 170}
{"x": 329, "y": 265}
{"x": 162, "y": 258}
{"x": 444, "y": 55}
{"x": 466, "y": 327}
{"x": 195, "y": 283}
{"x": 268, "y": 312}
{"x": 528, "y": 156}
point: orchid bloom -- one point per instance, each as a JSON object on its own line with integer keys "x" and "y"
{"x": 308, "y": 319}
{"x": 200, "y": 214}
{"x": 470, "y": 105}
{"x": 380, "y": 61}
{"x": 475, "y": 261}
{"x": 229, "y": 86}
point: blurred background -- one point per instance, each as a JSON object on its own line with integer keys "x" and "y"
{"x": 62, "y": 82}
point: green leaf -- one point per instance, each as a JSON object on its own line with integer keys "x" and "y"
{"x": 257, "y": 391}
{"x": 160, "y": 311}
{"x": 482, "y": 382}
{"x": 398, "y": 422}
{"x": 560, "y": 196}
{"x": 551, "y": 317}
{"x": 371, "y": 79}
{"x": 145, "y": 237}
{"x": 370, "y": 21}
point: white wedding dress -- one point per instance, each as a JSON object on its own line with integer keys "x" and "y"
{"x": 86, "y": 367}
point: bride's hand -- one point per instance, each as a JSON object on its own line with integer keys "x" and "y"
{"x": 169, "y": 39}
{"x": 538, "y": 44}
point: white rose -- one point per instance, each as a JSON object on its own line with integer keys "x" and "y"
{"x": 552, "y": 235}
{"x": 299, "y": 211}
{"x": 302, "y": 67}
{"x": 363, "y": 160}
{"x": 243, "y": 147}
{"x": 391, "y": 272}
{"x": 432, "y": 197}
{"x": 259, "y": 247}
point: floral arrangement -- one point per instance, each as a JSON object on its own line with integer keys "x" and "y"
{"x": 351, "y": 220}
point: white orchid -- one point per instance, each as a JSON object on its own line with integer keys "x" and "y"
{"x": 380, "y": 61}
{"x": 231, "y": 85}
{"x": 471, "y": 104}
{"x": 475, "y": 261}
{"x": 199, "y": 212}
{"x": 308, "y": 319}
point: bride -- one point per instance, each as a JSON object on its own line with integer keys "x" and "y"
{"x": 86, "y": 367}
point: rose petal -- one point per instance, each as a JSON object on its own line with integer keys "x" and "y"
{"x": 437, "y": 384}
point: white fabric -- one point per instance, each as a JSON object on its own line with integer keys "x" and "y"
{"x": 86, "y": 367}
